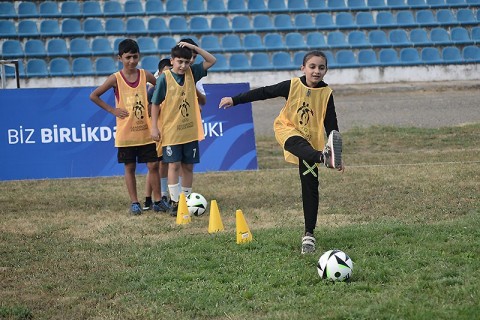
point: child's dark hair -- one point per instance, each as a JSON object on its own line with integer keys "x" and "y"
{"x": 181, "y": 52}
{"x": 164, "y": 63}
{"x": 315, "y": 53}
{"x": 190, "y": 41}
{"x": 128, "y": 46}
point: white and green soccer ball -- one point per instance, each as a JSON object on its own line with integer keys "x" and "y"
{"x": 335, "y": 265}
{"x": 197, "y": 204}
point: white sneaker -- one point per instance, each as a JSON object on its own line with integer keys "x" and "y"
{"x": 332, "y": 153}
{"x": 308, "y": 243}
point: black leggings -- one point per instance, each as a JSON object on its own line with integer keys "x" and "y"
{"x": 308, "y": 171}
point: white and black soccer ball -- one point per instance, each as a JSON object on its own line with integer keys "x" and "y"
{"x": 335, "y": 265}
{"x": 197, "y": 204}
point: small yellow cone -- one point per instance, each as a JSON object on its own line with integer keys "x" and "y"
{"x": 215, "y": 221}
{"x": 243, "y": 232}
{"x": 183, "y": 216}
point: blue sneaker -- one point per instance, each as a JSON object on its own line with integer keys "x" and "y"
{"x": 135, "y": 209}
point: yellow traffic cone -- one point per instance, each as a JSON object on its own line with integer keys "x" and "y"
{"x": 215, "y": 221}
{"x": 243, "y": 232}
{"x": 183, "y": 216}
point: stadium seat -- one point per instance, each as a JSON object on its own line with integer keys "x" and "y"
{"x": 157, "y": 26}
{"x": 7, "y": 10}
{"x": 221, "y": 64}
{"x": 166, "y": 43}
{"x": 82, "y": 67}
{"x": 231, "y": 43}
{"x": 476, "y": 34}
{"x": 283, "y": 22}
{"x": 452, "y": 55}
{"x": 455, "y": 2}
{"x": 315, "y": 5}
{"x": 113, "y": 8}
{"x": 346, "y": 58}
{"x": 92, "y": 9}
{"x": 48, "y": 9}
{"x": 50, "y": 28}
{"x": 367, "y": 58}
{"x": 405, "y": 19}
{"x": 376, "y": 4}
{"x": 296, "y": 6}
{"x": 35, "y": 48}
{"x": 466, "y": 17}
{"x": 409, "y": 56}
{"x": 336, "y": 5}
{"x": 220, "y": 24}
{"x": 419, "y": 37}
{"x": 262, "y": 23}
{"x": 241, "y": 24}
{"x": 27, "y": 9}
{"x": 235, "y": 6}
{"x": 357, "y": 39}
{"x": 303, "y": 22}
{"x": 282, "y": 60}
{"x": 114, "y": 26}
{"x": 101, "y": 47}
{"x": 330, "y": 59}
{"x": 80, "y": 47}
{"x": 399, "y": 38}
{"x": 431, "y": 55}
{"x": 365, "y": 20}
{"x": 71, "y": 27}
{"x": 473, "y": 2}
{"x": 196, "y": 7}
{"x": 239, "y": 62}
{"x": 417, "y": 4}
{"x": 273, "y": 41}
{"x": 173, "y": 7}
{"x": 315, "y": 40}
{"x": 439, "y": 36}
{"x": 436, "y": 3}
{"x": 471, "y": 54}
{"x": 355, "y": 5}
{"x": 10, "y": 70}
{"x": 199, "y": 24}
{"x": 60, "y": 67}
{"x": 216, "y": 6}
{"x": 256, "y": 6}
{"x": 147, "y": 45}
{"x": 388, "y": 57}
{"x": 57, "y": 48}
{"x": 336, "y": 39}
{"x": 425, "y": 18}
{"x": 460, "y": 36}
{"x": 345, "y": 20}
{"x": 253, "y": 42}
{"x": 276, "y": 6}
{"x": 70, "y": 9}
{"x": 178, "y": 24}
{"x": 116, "y": 43}
{"x": 154, "y": 7}
{"x": 136, "y": 27}
{"x": 8, "y": 29}
{"x": 37, "y": 68}
{"x": 210, "y": 43}
{"x": 12, "y": 49}
{"x": 27, "y": 29}
{"x": 396, "y": 4}
{"x": 378, "y": 38}
{"x": 298, "y": 58}
{"x": 261, "y": 61}
{"x": 445, "y": 17}
{"x": 105, "y": 66}
{"x": 295, "y": 41}
{"x": 385, "y": 19}
{"x": 133, "y": 8}
{"x": 324, "y": 21}
{"x": 93, "y": 27}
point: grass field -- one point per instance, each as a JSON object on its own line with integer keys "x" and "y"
{"x": 406, "y": 210}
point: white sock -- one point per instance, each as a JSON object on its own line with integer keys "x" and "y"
{"x": 186, "y": 191}
{"x": 174, "y": 191}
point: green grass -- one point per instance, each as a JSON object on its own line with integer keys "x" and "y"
{"x": 406, "y": 210}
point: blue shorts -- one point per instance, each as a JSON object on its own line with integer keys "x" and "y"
{"x": 188, "y": 153}
{"x": 140, "y": 154}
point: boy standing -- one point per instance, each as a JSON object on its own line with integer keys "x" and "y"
{"x": 132, "y": 135}
{"x": 179, "y": 116}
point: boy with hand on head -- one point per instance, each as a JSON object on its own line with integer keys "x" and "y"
{"x": 132, "y": 138}
{"x": 176, "y": 111}
{"x": 300, "y": 128}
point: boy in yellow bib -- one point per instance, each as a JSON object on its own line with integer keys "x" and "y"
{"x": 132, "y": 137}
{"x": 300, "y": 128}
{"x": 176, "y": 111}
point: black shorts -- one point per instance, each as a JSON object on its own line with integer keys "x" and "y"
{"x": 139, "y": 154}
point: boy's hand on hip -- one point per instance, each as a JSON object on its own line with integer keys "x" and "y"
{"x": 120, "y": 113}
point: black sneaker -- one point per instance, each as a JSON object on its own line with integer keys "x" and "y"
{"x": 173, "y": 208}
{"x": 332, "y": 153}
{"x": 147, "y": 205}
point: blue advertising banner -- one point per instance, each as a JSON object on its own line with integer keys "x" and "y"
{"x": 60, "y": 133}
